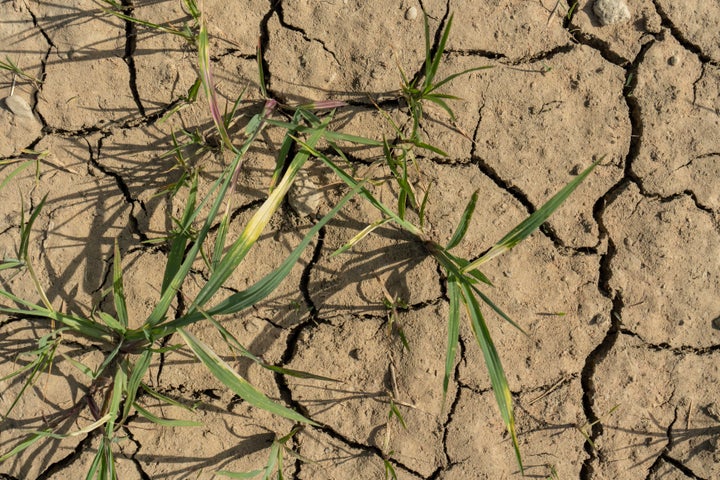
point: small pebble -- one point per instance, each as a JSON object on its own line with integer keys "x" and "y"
{"x": 716, "y": 323}
{"x": 411, "y": 13}
{"x": 674, "y": 60}
{"x": 19, "y": 106}
{"x": 610, "y": 12}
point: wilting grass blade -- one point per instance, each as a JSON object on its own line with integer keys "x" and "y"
{"x": 231, "y": 379}
{"x": 464, "y": 222}
{"x": 453, "y": 331}
{"x": 359, "y": 236}
{"x": 245, "y": 299}
{"x": 494, "y": 366}
{"x": 253, "y": 229}
{"x": 530, "y": 224}
{"x": 209, "y": 86}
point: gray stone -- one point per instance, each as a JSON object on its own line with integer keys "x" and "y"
{"x": 610, "y": 12}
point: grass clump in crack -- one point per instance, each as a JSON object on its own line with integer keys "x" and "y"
{"x": 128, "y": 352}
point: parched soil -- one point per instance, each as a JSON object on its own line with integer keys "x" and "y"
{"x": 618, "y": 376}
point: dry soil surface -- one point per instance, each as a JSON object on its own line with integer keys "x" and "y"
{"x": 624, "y": 384}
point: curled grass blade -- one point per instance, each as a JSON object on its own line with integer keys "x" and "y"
{"x": 241, "y": 300}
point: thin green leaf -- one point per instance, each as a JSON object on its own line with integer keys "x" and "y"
{"x": 15, "y": 172}
{"x": 180, "y": 238}
{"x": 530, "y": 224}
{"x": 464, "y": 222}
{"x": 492, "y": 361}
{"x": 118, "y": 291}
{"x": 449, "y": 78}
{"x": 432, "y": 70}
{"x": 138, "y": 373}
{"x": 231, "y": 379}
{"x": 165, "y": 422}
{"x": 252, "y": 474}
{"x": 27, "y": 228}
{"x": 453, "y": 292}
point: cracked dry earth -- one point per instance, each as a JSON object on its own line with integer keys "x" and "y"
{"x": 624, "y": 385}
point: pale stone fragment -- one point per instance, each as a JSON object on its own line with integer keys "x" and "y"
{"x": 610, "y": 12}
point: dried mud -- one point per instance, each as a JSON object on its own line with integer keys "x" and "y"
{"x": 618, "y": 376}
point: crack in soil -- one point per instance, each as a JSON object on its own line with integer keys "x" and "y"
{"x": 128, "y": 56}
{"x": 678, "y": 35}
{"x": 80, "y": 448}
{"x": 138, "y": 446}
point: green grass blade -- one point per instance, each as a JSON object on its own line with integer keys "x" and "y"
{"x": 438, "y": 100}
{"x": 497, "y": 309}
{"x": 453, "y": 292}
{"x": 292, "y": 130}
{"x": 165, "y": 422}
{"x": 464, "y": 222}
{"x": 241, "y": 300}
{"x": 435, "y": 64}
{"x": 493, "y": 364}
{"x": 118, "y": 290}
{"x": 138, "y": 372}
{"x": 181, "y": 237}
{"x": 231, "y": 379}
{"x": 452, "y": 77}
{"x": 220, "y": 242}
{"x": 15, "y": 172}
{"x": 253, "y": 229}
{"x": 530, "y": 224}
{"x": 119, "y": 387}
{"x": 27, "y": 228}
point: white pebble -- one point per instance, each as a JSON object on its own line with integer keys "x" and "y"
{"x": 19, "y": 106}
{"x": 610, "y": 12}
{"x": 411, "y": 13}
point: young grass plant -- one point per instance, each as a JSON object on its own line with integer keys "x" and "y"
{"x": 128, "y": 352}
{"x": 463, "y": 279}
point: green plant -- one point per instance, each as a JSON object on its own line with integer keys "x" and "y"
{"x": 278, "y": 449}
{"x": 462, "y": 277}
{"x": 417, "y": 92}
{"x": 128, "y": 352}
